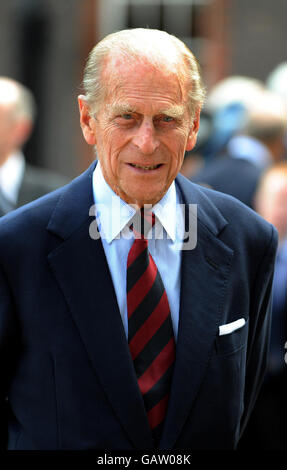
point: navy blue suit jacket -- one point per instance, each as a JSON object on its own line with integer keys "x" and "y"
{"x": 67, "y": 378}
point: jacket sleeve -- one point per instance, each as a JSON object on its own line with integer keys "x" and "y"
{"x": 260, "y": 325}
{"x": 9, "y": 346}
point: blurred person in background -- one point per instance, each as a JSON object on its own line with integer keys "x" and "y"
{"x": 267, "y": 427}
{"x": 277, "y": 83}
{"x": 194, "y": 159}
{"x": 252, "y": 135}
{"x": 228, "y": 102}
{"x": 277, "y": 80}
{"x": 20, "y": 182}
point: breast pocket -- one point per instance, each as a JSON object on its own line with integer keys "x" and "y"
{"x": 232, "y": 342}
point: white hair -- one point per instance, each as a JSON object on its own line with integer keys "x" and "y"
{"x": 19, "y": 99}
{"x": 150, "y": 45}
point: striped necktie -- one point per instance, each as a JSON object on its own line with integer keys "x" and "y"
{"x": 151, "y": 338}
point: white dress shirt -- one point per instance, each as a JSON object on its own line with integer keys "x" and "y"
{"x": 11, "y": 175}
{"x": 113, "y": 217}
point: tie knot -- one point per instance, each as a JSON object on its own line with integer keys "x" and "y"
{"x": 142, "y": 222}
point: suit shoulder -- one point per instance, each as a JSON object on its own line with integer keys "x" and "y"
{"x": 245, "y": 226}
{"x": 241, "y": 223}
{"x": 209, "y": 198}
{"x": 227, "y": 204}
{"x": 231, "y": 207}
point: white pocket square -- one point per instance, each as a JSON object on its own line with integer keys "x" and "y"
{"x": 230, "y": 327}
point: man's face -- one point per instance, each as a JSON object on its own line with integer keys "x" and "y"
{"x": 141, "y": 131}
{"x": 14, "y": 131}
{"x": 271, "y": 202}
{"x": 6, "y": 132}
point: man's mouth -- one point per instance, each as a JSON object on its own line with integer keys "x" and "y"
{"x": 145, "y": 167}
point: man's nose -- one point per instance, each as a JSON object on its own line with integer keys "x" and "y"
{"x": 145, "y": 138}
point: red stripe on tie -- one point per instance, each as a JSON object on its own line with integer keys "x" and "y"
{"x": 157, "y": 368}
{"x": 137, "y": 248}
{"x": 150, "y": 327}
{"x": 156, "y": 361}
{"x": 138, "y": 292}
{"x": 157, "y": 413}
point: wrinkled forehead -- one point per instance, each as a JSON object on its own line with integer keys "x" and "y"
{"x": 119, "y": 72}
{"x": 168, "y": 64}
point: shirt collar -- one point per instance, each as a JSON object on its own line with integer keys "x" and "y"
{"x": 11, "y": 174}
{"x": 113, "y": 214}
{"x": 165, "y": 211}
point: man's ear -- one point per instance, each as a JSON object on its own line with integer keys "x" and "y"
{"x": 191, "y": 140}
{"x": 86, "y": 121}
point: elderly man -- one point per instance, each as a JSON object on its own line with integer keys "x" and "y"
{"x": 117, "y": 338}
{"x": 20, "y": 182}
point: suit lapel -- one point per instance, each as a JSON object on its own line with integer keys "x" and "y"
{"x": 204, "y": 277}
{"x": 81, "y": 270}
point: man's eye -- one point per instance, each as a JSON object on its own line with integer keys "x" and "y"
{"x": 167, "y": 119}
{"x": 127, "y": 116}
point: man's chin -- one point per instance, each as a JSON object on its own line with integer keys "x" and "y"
{"x": 148, "y": 198}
